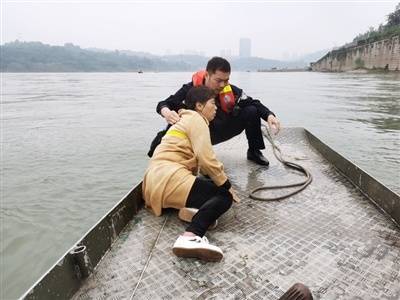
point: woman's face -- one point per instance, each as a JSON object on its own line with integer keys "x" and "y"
{"x": 208, "y": 109}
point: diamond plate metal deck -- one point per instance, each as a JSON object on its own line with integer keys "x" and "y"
{"x": 329, "y": 237}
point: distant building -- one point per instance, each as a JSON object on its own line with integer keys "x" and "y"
{"x": 193, "y": 52}
{"x": 227, "y": 53}
{"x": 245, "y": 47}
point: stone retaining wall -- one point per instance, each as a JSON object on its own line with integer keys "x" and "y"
{"x": 383, "y": 54}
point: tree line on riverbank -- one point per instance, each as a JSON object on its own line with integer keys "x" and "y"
{"x": 20, "y": 56}
{"x": 383, "y": 31}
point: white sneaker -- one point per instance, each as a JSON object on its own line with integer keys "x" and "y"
{"x": 187, "y": 213}
{"x": 196, "y": 247}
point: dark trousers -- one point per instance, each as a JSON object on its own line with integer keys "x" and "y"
{"x": 247, "y": 119}
{"x": 211, "y": 201}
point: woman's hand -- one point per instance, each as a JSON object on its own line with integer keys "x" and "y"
{"x": 234, "y": 196}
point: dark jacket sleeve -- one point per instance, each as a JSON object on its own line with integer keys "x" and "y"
{"x": 245, "y": 100}
{"x": 175, "y": 102}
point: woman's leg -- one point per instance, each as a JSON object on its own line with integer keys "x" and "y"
{"x": 211, "y": 201}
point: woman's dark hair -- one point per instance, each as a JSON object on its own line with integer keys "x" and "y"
{"x": 218, "y": 64}
{"x": 199, "y": 94}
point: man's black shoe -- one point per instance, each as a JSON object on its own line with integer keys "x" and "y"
{"x": 256, "y": 156}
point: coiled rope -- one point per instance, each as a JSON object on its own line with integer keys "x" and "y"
{"x": 279, "y": 156}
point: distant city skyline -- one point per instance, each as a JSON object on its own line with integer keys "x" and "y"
{"x": 277, "y": 30}
{"x": 245, "y": 47}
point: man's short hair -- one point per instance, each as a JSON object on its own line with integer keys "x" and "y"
{"x": 218, "y": 64}
{"x": 199, "y": 94}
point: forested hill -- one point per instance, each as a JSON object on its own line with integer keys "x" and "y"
{"x": 38, "y": 57}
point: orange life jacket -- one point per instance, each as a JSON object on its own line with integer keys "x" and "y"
{"x": 226, "y": 96}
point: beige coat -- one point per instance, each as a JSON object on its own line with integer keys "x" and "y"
{"x": 184, "y": 150}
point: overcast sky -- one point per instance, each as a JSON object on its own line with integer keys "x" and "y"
{"x": 277, "y": 30}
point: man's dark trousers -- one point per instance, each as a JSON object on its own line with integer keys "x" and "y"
{"x": 247, "y": 119}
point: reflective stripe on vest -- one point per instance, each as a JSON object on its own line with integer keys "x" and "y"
{"x": 227, "y": 99}
{"x": 177, "y": 133}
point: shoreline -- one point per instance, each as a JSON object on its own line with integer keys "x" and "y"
{"x": 362, "y": 71}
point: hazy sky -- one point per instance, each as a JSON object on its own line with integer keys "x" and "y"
{"x": 277, "y": 29}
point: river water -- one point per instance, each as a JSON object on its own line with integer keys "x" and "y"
{"x": 73, "y": 144}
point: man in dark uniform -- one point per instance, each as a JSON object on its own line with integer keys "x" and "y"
{"x": 236, "y": 111}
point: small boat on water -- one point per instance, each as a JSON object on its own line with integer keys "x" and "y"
{"x": 340, "y": 236}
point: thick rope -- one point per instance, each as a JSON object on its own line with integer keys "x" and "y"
{"x": 279, "y": 156}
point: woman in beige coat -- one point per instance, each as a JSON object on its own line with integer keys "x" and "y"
{"x": 171, "y": 181}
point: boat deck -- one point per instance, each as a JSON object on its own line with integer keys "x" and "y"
{"x": 330, "y": 237}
